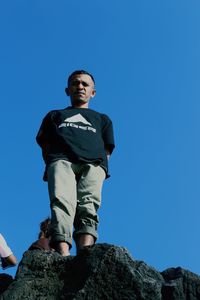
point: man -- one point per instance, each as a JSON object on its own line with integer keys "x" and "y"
{"x": 42, "y": 243}
{"x": 76, "y": 143}
{"x": 6, "y": 255}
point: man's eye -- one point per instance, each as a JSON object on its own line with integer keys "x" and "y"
{"x": 75, "y": 83}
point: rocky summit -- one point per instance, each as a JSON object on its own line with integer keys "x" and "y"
{"x": 102, "y": 272}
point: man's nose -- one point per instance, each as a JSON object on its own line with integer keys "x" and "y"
{"x": 80, "y": 85}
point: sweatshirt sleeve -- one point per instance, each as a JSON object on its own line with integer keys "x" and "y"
{"x": 108, "y": 133}
{"x": 45, "y": 132}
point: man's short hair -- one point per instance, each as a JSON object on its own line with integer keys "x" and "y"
{"x": 78, "y": 72}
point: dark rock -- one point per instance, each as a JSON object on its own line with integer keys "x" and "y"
{"x": 5, "y": 281}
{"x": 99, "y": 272}
{"x": 180, "y": 285}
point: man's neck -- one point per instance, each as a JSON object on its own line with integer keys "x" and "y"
{"x": 85, "y": 105}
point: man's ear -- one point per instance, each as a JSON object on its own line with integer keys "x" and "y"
{"x": 93, "y": 93}
{"x": 67, "y": 91}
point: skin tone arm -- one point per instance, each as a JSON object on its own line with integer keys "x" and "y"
{"x": 7, "y": 257}
{"x": 10, "y": 260}
{"x": 108, "y": 154}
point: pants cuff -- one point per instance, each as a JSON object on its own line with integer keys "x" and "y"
{"x": 86, "y": 230}
{"x": 60, "y": 238}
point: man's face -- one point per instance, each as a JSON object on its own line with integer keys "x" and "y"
{"x": 81, "y": 89}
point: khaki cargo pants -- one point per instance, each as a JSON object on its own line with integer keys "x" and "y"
{"x": 75, "y": 196}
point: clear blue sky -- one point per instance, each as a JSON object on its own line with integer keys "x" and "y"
{"x": 145, "y": 57}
